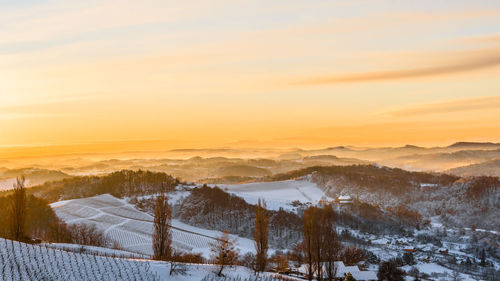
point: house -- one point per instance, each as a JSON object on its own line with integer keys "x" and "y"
{"x": 409, "y": 249}
{"x": 341, "y": 271}
{"x": 443, "y": 251}
{"x": 323, "y": 202}
{"x": 344, "y": 199}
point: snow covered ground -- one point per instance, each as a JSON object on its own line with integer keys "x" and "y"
{"x": 278, "y": 194}
{"x": 133, "y": 229}
{"x": 19, "y": 261}
{"x": 197, "y": 272}
{"x": 93, "y": 250}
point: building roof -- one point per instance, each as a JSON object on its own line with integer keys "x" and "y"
{"x": 342, "y": 270}
{"x": 364, "y": 275}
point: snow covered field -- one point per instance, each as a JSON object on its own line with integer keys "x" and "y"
{"x": 19, "y": 261}
{"x": 93, "y": 250}
{"x": 133, "y": 229}
{"x": 278, "y": 194}
{"x": 198, "y": 272}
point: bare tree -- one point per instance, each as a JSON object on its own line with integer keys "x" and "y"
{"x": 261, "y": 235}
{"x": 456, "y": 276}
{"x": 162, "y": 236}
{"x": 88, "y": 234}
{"x": 18, "y": 210}
{"x": 309, "y": 218}
{"x": 224, "y": 251}
{"x": 331, "y": 243}
{"x": 389, "y": 271}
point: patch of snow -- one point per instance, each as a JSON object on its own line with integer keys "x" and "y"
{"x": 278, "y": 194}
{"x": 132, "y": 229}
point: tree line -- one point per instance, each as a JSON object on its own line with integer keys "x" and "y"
{"x": 30, "y": 219}
{"x": 318, "y": 250}
{"x": 124, "y": 183}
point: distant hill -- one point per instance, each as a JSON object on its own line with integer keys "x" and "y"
{"x": 332, "y": 160}
{"x": 241, "y": 171}
{"x": 475, "y": 145}
{"x": 34, "y": 176}
{"x": 392, "y": 180}
{"x": 467, "y": 202}
{"x": 442, "y": 161}
{"x": 488, "y": 168}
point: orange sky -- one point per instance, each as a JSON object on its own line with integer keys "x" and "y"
{"x": 238, "y": 73}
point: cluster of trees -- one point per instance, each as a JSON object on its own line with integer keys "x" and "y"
{"x": 389, "y": 270}
{"x": 120, "y": 184}
{"x": 320, "y": 242}
{"x": 216, "y": 209}
{"x": 317, "y": 243}
{"x": 393, "y": 180}
{"x": 371, "y": 219}
{"x": 318, "y": 250}
{"x": 321, "y": 245}
{"x": 26, "y": 216}
{"x": 481, "y": 186}
{"x": 88, "y": 234}
{"x": 408, "y": 216}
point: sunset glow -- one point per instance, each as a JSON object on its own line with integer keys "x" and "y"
{"x": 148, "y": 75}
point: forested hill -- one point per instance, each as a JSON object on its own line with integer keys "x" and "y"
{"x": 214, "y": 208}
{"x": 119, "y": 184}
{"x": 462, "y": 202}
{"x": 371, "y": 177}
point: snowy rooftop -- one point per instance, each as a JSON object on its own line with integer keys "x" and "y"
{"x": 342, "y": 270}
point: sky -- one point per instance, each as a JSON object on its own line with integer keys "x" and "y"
{"x": 256, "y": 73}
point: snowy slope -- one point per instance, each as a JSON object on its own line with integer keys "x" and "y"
{"x": 133, "y": 229}
{"x": 19, "y": 261}
{"x": 278, "y": 194}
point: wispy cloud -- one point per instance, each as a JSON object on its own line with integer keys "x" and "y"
{"x": 63, "y": 106}
{"x": 481, "y": 103}
{"x": 477, "y": 63}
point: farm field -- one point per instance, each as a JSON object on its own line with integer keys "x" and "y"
{"x": 19, "y": 261}
{"x": 278, "y": 194}
{"x": 132, "y": 229}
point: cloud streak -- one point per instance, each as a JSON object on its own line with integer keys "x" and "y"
{"x": 471, "y": 65}
{"x": 482, "y": 103}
